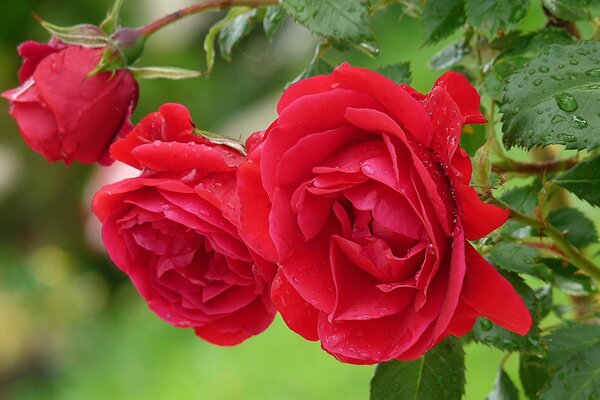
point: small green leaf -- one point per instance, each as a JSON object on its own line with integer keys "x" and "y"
{"x": 568, "y": 278}
{"x": 234, "y": 31}
{"x": 534, "y": 372}
{"x": 571, "y": 10}
{"x": 112, "y": 21}
{"x": 82, "y": 35}
{"x": 577, "y": 379}
{"x": 578, "y": 229}
{"x": 441, "y": 18}
{"x": 274, "y": 17}
{"x": 163, "y": 72}
{"x": 554, "y": 99}
{"x": 504, "y": 388}
{"x": 583, "y": 180}
{"x": 399, "y": 73}
{"x": 571, "y": 339}
{"x": 516, "y": 50}
{"x": 449, "y": 55}
{"x": 222, "y": 140}
{"x": 439, "y": 374}
{"x": 213, "y": 32}
{"x": 543, "y": 295}
{"x": 522, "y": 198}
{"x": 482, "y": 167}
{"x": 346, "y": 20}
{"x": 493, "y": 16}
{"x": 516, "y": 258}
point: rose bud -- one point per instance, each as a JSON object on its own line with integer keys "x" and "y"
{"x": 360, "y": 191}
{"x": 63, "y": 113}
{"x": 174, "y": 231}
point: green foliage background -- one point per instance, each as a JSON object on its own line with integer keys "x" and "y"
{"x": 72, "y": 327}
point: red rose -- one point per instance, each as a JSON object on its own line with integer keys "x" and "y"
{"x": 364, "y": 191}
{"x": 173, "y": 230}
{"x": 64, "y": 115}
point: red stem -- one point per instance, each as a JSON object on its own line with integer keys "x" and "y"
{"x": 152, "y": 27}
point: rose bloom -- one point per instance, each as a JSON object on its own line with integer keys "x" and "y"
{"x": 360, "y": 191}
{"x": 173, "y": 231}
{"x": 62, "y": 113}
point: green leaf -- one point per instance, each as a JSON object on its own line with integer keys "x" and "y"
{"x": 439, "y": 374}
{"x": 577, "y": 379}
{"x": 449, "y": 55}
{"x": 534, "y": 372}
{"x": 346, "y": 20}
{"x": 516, "y": 258}
{"x": 543, "y": 295}
{"x": 578, "y": 229}
{"x": 571, "y": 10}
{"x": 569, "y": 340}
{"x": 213, "y": 32}
{"x": 82, "y": 35}
{"x": 221, "y": 140}
{"x": 583, "y": 180}
{"x": 234, "y": 31}
{"x": 163, "y": 72}
{"x": 399, "y": 73}
{"x": 274, "y": 17}
{"x": 516, "y": 50}
{"x": 522, "y": 198}
{"x": 568, "y": 278}
{"x": 491, "y": 334}
{"x": 504, "y": 388}
{"x": 555, "y": 99}
{"x": 112, "y": 21}
{"x": 441, "y": 18}
{"x": 492, "y": 16}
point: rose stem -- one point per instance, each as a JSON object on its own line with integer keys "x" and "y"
{"x": 572, "y": 253}
{"x": 152, "y": 27}
{"x": 535, "y": 167}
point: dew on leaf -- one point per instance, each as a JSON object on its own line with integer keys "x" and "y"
{"x": 565, "y": 137}
{"x": 537, "y": 82}
{"x": 595, "y": 72}
{"x": 578, "y": 122}
{"x": 573, "y": 62}
{"x": 558, "y": 118}
{"x": 566, "y": 102}
{"x": 543, "y": 68}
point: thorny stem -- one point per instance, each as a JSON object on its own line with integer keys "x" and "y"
{"x": 572, "y": 254}
{"x": 152, "y": 27}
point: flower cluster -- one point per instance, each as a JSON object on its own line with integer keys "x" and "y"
{"x": 351, "y": 214}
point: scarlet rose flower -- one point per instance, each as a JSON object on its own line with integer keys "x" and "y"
{"x": 173, "y": 230}
{"x": 360, "y": 191}
{"x": 63, "y": 114}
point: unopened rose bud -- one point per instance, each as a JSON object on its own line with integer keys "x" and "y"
{"x": 63, "y": 113}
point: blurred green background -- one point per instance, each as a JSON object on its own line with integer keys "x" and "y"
{"x": 71, "y": 325}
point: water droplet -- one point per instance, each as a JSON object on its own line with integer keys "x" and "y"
{"x": 529, "y": 133}
{"x": 578, "y": 122}
{"x": 583, "y": 52}
{"x": 537, "y": 82}
{"x": 531, "y": 71}
{"x": 157, "y": 143}
{"x": 543, "y": 69}
{"x": 565, "y": 137}
{"x": 566, "y": 102}
{"x": 573, "y": 62}
{"x": 517, "y": 109}
{"x": 561, "y": 66}
{"x": 367, "y": 169}
{"x": 556, "y": 77}
{"x": 593, "y": 72}
{"x": 558, "y": 118}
